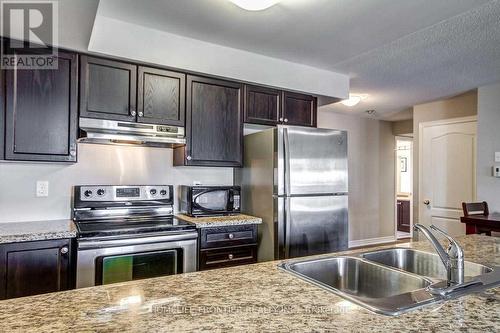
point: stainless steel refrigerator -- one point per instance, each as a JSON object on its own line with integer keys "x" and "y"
{"x": 295, "y": 179}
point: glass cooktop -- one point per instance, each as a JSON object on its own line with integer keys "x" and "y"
{"x": 116, "y": 227}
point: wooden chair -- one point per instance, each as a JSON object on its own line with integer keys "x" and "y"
{"x": 475, "y": 208}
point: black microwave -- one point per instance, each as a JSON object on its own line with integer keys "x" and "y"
{"x": 210, "y": 200}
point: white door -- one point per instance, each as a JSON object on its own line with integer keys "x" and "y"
{"x": 447, "y": 172}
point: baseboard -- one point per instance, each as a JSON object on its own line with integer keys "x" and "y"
{"x": 372, "y": 241}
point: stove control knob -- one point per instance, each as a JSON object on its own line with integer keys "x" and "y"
{"x": 152, "y": 191}
{"x": 100, "y": 192}
{"x": 87, "y": 193}
{"x": 163, "y": 192}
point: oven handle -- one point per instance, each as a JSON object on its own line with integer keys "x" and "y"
{"x": 93, "y": 244}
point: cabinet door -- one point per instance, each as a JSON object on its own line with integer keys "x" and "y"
{"x": 161, "y": 97}
{"x": 107, "y": 89}
{"x": 403, "y": 217}
{"x": 32, "y": 268}
{"x": 299, "y": 109}
{"x": 214, "y": 124}
{"x": 42, "y": 112}
{"x": 262, "y": 105}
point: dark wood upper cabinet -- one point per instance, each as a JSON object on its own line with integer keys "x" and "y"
{"x": 161, "y": 97}
{"x": 41, "y": 112}
{"x": 267, "y": 106}
{"x": 299, "y": 109}
{"x": 214, "y": 126}
{"x": 31, "y": 268}
{"x": 107, "y": 89}
{"x": 262, "y": 105}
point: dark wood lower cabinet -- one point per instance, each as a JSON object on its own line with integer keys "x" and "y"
{"x": 403, "y": 215}
{"x": 226, "y": 257}
{"x": 227, "y": 246}
{"x": 31, "y": 268}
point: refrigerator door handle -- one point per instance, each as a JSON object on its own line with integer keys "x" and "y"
{"x": 286, "y": 159}
{"x": 287, "y": 227}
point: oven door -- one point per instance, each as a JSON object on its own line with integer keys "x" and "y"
{"x": 216, "y": 201}
{"x": 119, "y": 260}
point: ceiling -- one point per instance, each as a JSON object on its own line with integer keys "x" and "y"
{"x": 401, "y": 53}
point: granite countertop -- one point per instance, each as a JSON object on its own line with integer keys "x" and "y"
{"x": 14, "y": 232}
{"x": 257, "y": 297}
{"x": 220, "y": 221}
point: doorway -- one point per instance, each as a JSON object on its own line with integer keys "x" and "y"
{"x": 447, "y": 172}
{"x": 404, "y": 187}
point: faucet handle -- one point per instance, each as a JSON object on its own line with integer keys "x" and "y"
{"x": 448, "y": 237}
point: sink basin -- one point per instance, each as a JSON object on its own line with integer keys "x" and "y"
{"x": 421, "y": 263}
{"x": 391, "y": 281}
{"x": 381, "y": 289}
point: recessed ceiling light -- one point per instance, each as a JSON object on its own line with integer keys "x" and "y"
{"x": 354, "y": 99}
{"x": 255, "y": 5}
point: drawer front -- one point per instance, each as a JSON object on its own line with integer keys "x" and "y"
{"x": 228, "y": 236}
{"x": 227, "y": 257}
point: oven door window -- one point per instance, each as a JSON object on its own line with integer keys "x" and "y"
{"x": 215, "y": 200}
{"x": 135, "y": 266}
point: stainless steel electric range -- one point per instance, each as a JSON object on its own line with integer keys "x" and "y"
{"x": 128, "y": 233}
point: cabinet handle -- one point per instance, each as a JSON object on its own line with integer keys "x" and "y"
{"x": 231, "y": 236}
{"x": 281, "y": 119}
{"x": 133, "y": 113}
{"x": 286, "y": 120}
{"x": 189, "y": 158}
{"x": 141, "y": 114}
{"x": 64, "y": 250}
{"x": 230, "y": 257}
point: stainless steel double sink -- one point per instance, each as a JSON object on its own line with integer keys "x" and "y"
{"x": 390, "y": 281}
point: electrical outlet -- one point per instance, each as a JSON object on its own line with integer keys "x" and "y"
{"x": 497, "y": 157}
{"x": 42, "y": 188}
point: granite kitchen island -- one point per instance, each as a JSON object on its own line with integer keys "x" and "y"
{"x": 257, "y": 297}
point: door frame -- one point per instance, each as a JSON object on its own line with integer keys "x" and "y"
{"x": 396, "y": 139}
{"x": 421, "y": 128}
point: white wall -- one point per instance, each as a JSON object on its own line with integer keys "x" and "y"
{"x": 371, "y": 173}
{"x": 118, "y": 38}
{"x": 97, "y": 164}
{"x": 488, "y": 142}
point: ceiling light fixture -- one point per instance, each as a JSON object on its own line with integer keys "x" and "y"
{"x": 354, "y": 99}
{"x": 255, "y": 5}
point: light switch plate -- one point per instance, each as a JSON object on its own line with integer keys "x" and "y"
{"x": 497, "y": 157}
{"x": 42, "y": 188}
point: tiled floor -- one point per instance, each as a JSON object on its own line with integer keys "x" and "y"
{"x": 402, "y": 234}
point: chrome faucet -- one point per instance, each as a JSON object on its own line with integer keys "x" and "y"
{"x": 453, "y": 258}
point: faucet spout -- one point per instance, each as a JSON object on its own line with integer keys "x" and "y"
{"x": 435, "y": 243}
{"x": 452, "y": 258}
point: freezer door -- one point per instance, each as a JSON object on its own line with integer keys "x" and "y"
{"x": 314, "y": 225}
{"x": 311, "y": 160}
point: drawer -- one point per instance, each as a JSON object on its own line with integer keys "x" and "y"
{"x": 228, "y": 236}
{"x": 226, "y": 257}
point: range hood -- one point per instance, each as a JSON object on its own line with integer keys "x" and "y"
{"x": 127, "y": 133}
